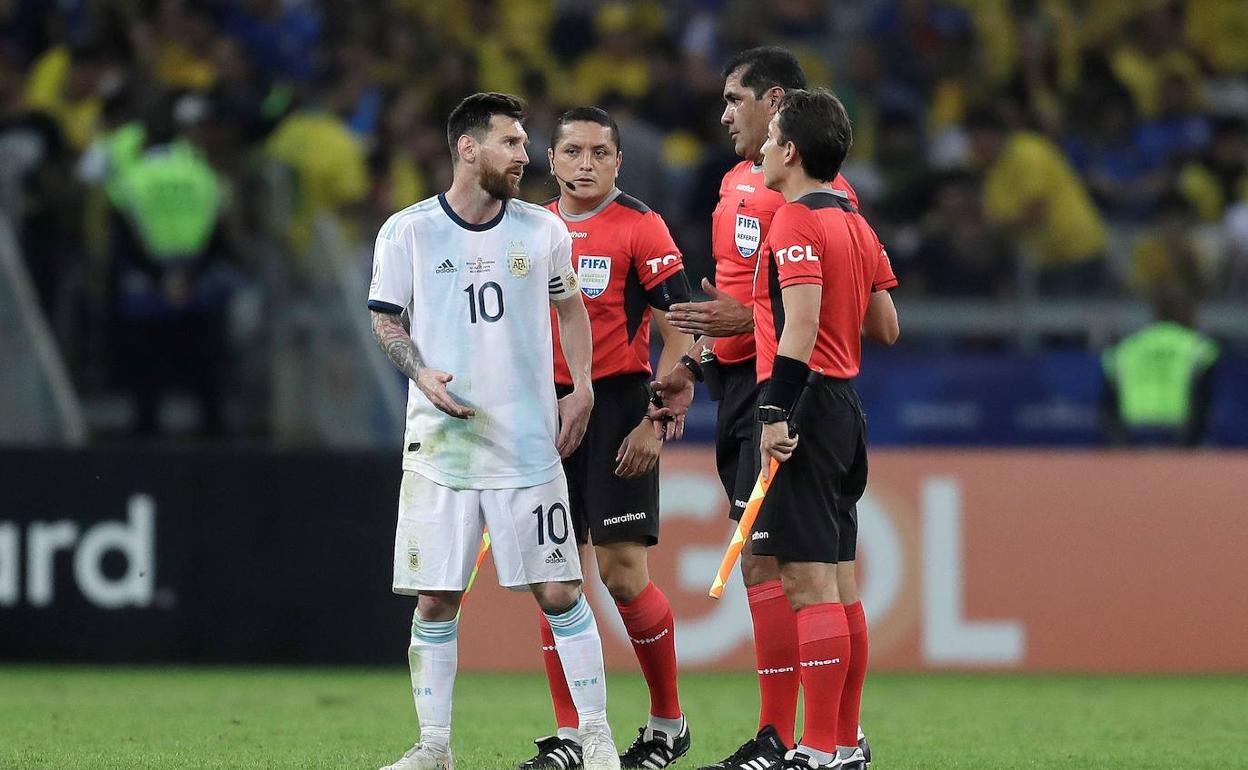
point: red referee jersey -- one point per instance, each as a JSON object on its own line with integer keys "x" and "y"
{"x": 738, "y": 229}
{"x": 619, "y": 250}
{"x": 820, "y": 239}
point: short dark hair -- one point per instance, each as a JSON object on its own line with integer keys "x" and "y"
{"x": 766, "y": 67}
{"x": 472, "y": 115}
{"x": 588, "y": 115}
{"x": 818, "y": 126}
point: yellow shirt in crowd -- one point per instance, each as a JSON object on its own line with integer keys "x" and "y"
{"x": 45, "y": 92}
{"x": 329, "y": 164}
{"x": 1031, "y": 172}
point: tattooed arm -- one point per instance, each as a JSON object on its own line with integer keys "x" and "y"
{"x": 393, "y": 336}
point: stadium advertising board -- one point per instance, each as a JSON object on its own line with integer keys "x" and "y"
{"x": 1004, "y": 559}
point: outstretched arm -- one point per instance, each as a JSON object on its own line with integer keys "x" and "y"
{"x": 395, "y": 341}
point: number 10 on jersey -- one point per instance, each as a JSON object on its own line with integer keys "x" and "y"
{"x": 556, "y": 514}
{"x": 486, "y": 301}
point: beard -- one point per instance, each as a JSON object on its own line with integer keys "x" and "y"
{"x": 498, "y": 184}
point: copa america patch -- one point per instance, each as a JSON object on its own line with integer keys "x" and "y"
{"x": 595, "y": 275}
{"x": 748, "y": 234}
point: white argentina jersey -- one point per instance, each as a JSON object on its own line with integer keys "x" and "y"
{"x": 479, "y": 299}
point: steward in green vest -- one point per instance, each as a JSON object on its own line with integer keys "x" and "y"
{"x": 1159, "y": 380}
{"x": 172, "y": 272}
{"x": 171, "y": 196}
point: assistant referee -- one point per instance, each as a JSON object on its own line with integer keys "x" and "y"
{"x": 811, "y": 293}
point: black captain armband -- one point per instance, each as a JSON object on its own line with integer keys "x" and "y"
{"x": 672, "y": 289}
{"x": 788, "y": 378}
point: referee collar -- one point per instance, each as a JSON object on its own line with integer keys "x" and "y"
{"x": 607, "y": 201}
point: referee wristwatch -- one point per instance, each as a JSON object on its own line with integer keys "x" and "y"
{"x": 772, "y": 414}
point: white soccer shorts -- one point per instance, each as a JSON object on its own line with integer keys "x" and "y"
{"x": 439, "y": 535}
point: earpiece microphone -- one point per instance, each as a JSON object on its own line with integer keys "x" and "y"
{"x": 566, "y": 183}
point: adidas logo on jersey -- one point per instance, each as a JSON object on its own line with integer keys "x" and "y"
{"x": 445, "y": 267}
{"x": 556, "y": 557}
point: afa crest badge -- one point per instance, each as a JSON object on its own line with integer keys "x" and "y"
{"x": 518, "y": 261}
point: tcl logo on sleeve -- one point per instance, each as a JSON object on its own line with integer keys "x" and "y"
{"x": 658, "y": 263}
{"x": 796, "y": 254}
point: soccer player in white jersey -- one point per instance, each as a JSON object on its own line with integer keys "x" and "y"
{"x": 476, "y": 272}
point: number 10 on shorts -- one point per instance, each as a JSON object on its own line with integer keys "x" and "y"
{"x": 546, "y": 523}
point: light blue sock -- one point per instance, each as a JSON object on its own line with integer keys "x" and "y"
{"x": 580, "y": 652}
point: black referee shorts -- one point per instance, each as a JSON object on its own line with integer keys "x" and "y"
{"x": 736, "y": 445}
{"x": 604, "y": 506}
{"x": 810, "y": 512}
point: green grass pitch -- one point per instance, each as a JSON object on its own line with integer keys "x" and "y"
{"x": 251, "y": 718}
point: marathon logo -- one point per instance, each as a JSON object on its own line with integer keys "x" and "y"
{"x": 652, "y": 639}
{"x": 817, "y": 663}
{"x": 577, "y": 234}
{"x": 760, "y": 536}
{"x": 774, "y": 671}
{"x": 623, "y": 519}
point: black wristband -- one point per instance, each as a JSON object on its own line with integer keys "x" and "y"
{"x": 769, "y": 415}
{"x": 693, "y": 366}
{"x": 788, "y": 377}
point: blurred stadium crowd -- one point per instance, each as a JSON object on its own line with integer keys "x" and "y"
{"x": 185, "y": 176}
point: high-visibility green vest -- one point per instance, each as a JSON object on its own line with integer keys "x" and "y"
{"x": 173, "y": 198}
{"x": 1154, "y": 370}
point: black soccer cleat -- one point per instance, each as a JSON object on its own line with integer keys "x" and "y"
{"x": 654, "y": 749}
{"x": 855, "y": 761}
{"x": 764, "y": 751}
{"x": 865, "y": 746}
{"x": 554, "y": 753}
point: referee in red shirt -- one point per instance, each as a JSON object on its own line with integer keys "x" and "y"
{"x": 755, "y": 82}
{"x": 811, "y": 292}
{"x": 630, "y": 272}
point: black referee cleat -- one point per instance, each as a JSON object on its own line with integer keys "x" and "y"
{"x": 855, "y": 761}
{"x": 554, "y": 753}
{"x": 654, "y": 749}
{"x": 865, "y": 746}
{"x": 764, "y": 751}
{"x": 800, "y": 760}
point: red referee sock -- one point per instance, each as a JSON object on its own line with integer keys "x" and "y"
{"x": 565, "y": 709}
{"x": 648, "y": 619}
{"x": 855, "y": 676}
{"x": 775, "y": 652}
{"x": 823, "y": 641}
